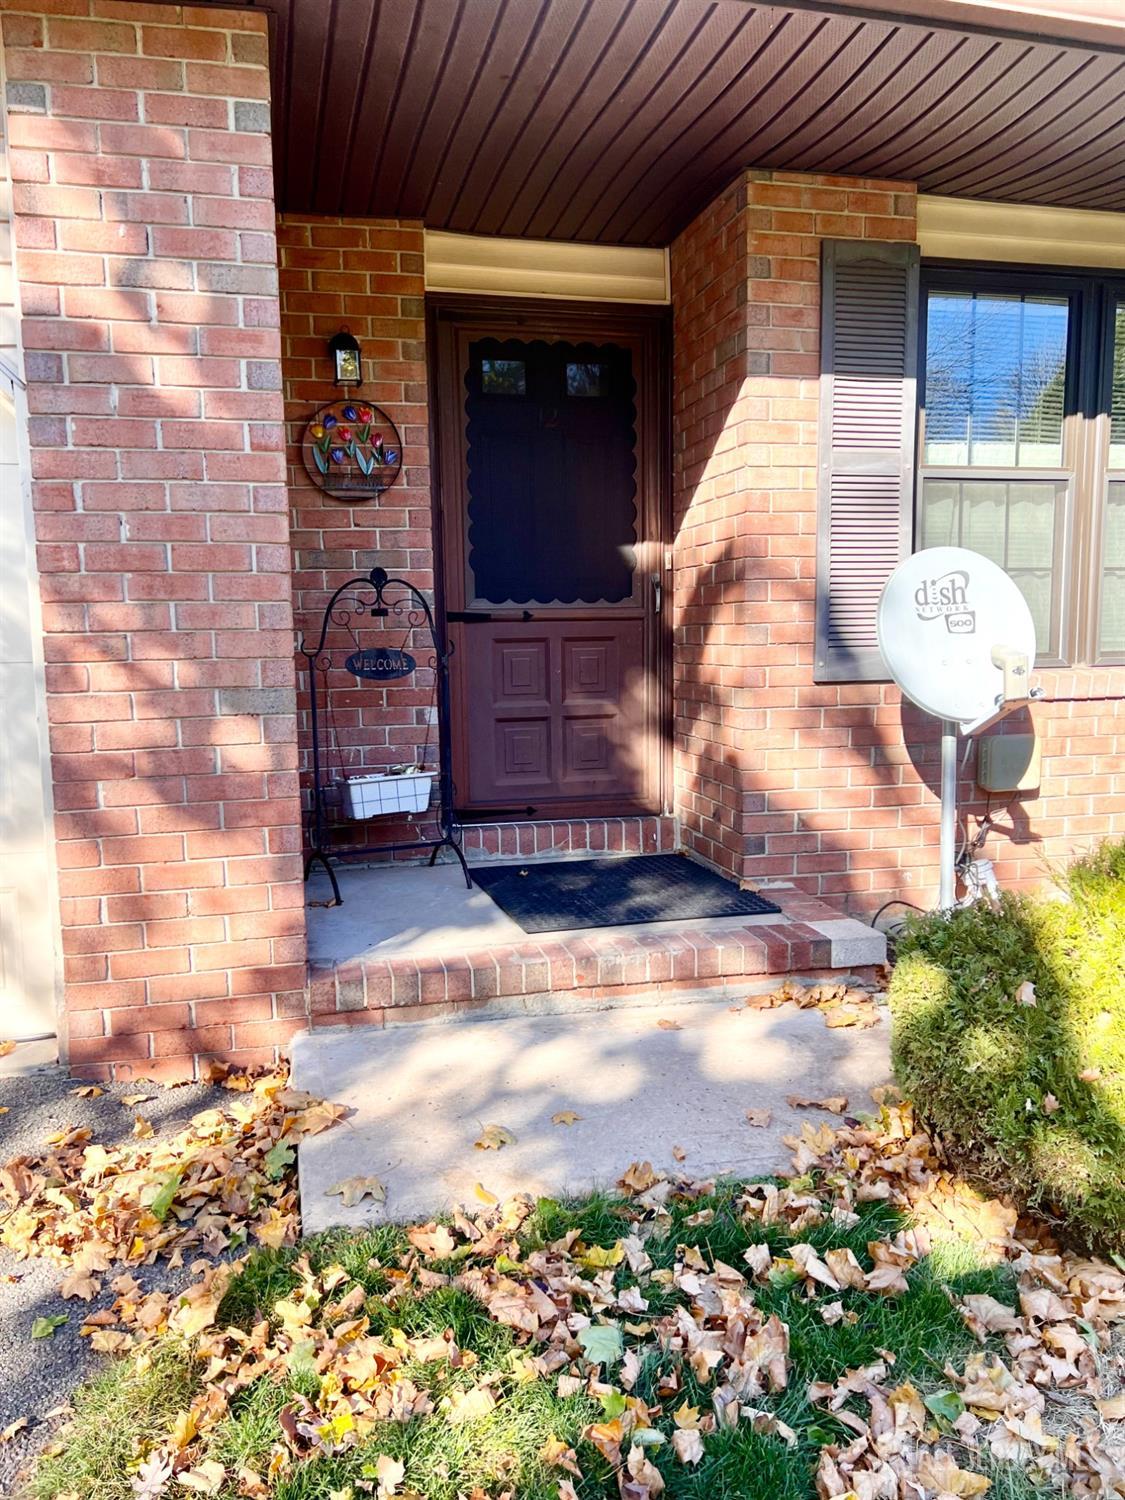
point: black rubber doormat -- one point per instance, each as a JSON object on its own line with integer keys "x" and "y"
{"x": 561, "y": 896}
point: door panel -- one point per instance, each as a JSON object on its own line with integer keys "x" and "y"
{"x": 554, "y": 712}
{"x": 550, "y": 436}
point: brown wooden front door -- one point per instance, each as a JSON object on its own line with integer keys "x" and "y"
{"x": 550, "y": 441}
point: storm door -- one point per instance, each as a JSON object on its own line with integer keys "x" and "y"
{"x": 553, "y": 561}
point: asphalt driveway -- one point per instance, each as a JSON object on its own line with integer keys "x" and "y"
{"x": 37, "y": 1376}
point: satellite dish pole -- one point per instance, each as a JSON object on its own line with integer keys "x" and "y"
{"x": 957, "y": 636}
{"x": 947, "y": 889}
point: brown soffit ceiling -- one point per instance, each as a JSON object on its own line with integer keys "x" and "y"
{"x": 617, "y": 120}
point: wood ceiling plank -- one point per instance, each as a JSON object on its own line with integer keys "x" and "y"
{"x": 578, "y": 119}
{"x": 709, "y": 65}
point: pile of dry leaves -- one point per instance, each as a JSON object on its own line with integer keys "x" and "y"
{"x": 839, "y": 1004}
{"x": 1062, "y": 1354}
{"x": 588, "y": 1317}
{"x": 208, "y": 1188}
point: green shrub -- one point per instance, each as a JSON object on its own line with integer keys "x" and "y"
{"x": 1029, "y": 1096}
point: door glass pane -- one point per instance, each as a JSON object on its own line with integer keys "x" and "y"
{"x": 995, "y": 379}
{"x": 587, "y": 380}
{"x": 1113, "y": 577}
{"x": 503, "y": 377}
{"x": 1017, "y": 523}
{"x": 552, "y": 509}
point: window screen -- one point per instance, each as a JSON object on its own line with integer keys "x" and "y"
{"x": 551, "y": 456}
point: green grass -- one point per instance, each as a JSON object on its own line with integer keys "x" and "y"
{"x": 116, "y": 1415}
{"x": 501, "y": 1450}
{"x": 1030, "y": 1097}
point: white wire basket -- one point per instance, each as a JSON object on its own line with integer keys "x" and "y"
{"x": 377, "y": 794}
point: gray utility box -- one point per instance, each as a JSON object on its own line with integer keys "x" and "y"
{"x": 1008, "y": 762}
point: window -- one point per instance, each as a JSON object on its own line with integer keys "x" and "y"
{"x": 1024, "y": 386}
{"x": 587, "y": 380}
{"x": 995, "y": 377}
{"x": 503, "y": 377}
{"x": 1112, "y": 621}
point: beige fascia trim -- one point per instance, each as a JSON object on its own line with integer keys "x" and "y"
{"x": 978, "y": 230}
{"x": 545, "y": 268}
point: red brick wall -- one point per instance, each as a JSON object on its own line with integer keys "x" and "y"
{"x": 146, "y": 260}
{"x": 368, "y": 275}
{"x": 835, "y": 785}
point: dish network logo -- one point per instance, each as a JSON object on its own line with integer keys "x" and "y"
{"x": 947, "y": 598}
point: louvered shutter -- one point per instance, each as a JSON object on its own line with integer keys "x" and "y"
{"x": 865, "y": 488}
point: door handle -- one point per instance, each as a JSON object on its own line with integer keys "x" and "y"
{"x": 657, "y": 594}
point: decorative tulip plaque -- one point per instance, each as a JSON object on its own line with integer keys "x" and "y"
{"x": 352, "y": 450}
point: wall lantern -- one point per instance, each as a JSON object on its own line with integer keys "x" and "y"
{"x": 346, "y": 365}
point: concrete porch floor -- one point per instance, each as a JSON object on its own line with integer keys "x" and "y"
{"x": 415, "y": 910}
{"x": 402, "y": 909}
{"x": 643, "y": 1079}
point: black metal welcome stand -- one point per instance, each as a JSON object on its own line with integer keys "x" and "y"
{"x": 366, "y": 597}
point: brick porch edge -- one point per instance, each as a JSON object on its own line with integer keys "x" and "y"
{"x": 807, "y": 938}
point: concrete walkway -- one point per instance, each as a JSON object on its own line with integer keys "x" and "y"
{"x": 644, "y": 1080}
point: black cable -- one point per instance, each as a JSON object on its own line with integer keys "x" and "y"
{"x": 896, "y": 901}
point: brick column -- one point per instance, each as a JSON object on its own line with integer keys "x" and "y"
{"x": 147, "y": 266}
{"x": 774, "y": 772}
{"x": 369, "y": 275}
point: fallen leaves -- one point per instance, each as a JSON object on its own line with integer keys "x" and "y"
{"x": 687, "y": 1444}
{"x": 759, "y": 1117}
{"x": 638, "y": 1177}
{"x": 629, "y": 1314}
{"x": 565, "y": 1117}
{"x": 644, "y": 1480}
{"x": 602, "y": 1343}
{"x": 836, "y": 1105}
{"x": 435, "y": 1241}
{"x": 1025, "y": 994}
{"x": 44, "y": 1327}
{"x": 353, "y": 1190}
{"x": 388, "y": 1473}
{"x": 985, "y": 1315}
{"x": 197, "y": 1192}
{"x": 80, "y": 1283}
{"x": 939, "y": 1472}
{"x": 839, "y": 1004}
{"x": 556, "y": 1455}
{"x": 494, "y": 1138}
{"x": 205, "y": 1479}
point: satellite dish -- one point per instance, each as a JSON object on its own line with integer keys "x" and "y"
{"x": 944, "y": 616}
{"x": 958, "y": 638}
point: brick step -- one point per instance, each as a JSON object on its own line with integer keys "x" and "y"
{"x": 596, "y": 966}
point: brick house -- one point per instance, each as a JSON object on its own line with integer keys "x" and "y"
{"x": 596, "y": 256}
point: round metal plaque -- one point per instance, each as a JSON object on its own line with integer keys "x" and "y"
{"x": 352, "y": 450}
